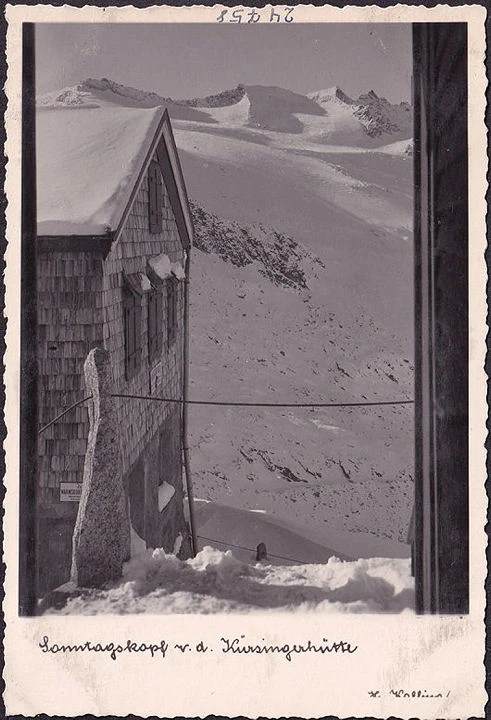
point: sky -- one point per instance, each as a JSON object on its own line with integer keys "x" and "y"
{"x": 195, "y": 60}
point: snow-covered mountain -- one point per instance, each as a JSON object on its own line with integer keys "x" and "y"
{"x": 301, "y": 291}
{"x": 370, "y": 119}
{"x": 378, "y": 118}
{"x": 92, "y": 93}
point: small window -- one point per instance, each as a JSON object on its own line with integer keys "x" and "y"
{"x": 155, "y": 320}
{"x": 132, "y": 328}
{"x": 172, "y": 290}
{"x": 154, "y": 198}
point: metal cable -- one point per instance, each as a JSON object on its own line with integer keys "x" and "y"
{"x": 58, "y": 417}
{"x": 241, "y": 547}
{"x": 221, "y": 403}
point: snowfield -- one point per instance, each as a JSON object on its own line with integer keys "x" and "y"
{"x": 216, "y": 581}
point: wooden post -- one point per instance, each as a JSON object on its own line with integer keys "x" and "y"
{"x": 261, "y": 552}
{"x": 101, "y": 539}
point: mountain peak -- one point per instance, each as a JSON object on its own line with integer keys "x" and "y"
{"x": 331, "y": 93}
{"x": 370, "y": 97}
{"x": 221, "y": 99}
{"x": 144, "y": 97}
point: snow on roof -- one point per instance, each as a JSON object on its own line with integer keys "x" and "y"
{"x": 88, "y": 161}
{"x": 178, "y": 271}
{"x": 145, "y": 282}
{"x": 161, "y": 265}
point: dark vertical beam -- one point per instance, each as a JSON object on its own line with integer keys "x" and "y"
{"x": 185, "y": 407}
{"x": 441, "y": 548}
{"x": 28, "y": 327}
{"x": 451, "y": 327}
{"x": 425, "y": 506}
{"x": 419, "y": 176}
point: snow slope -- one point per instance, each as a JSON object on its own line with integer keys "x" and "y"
{"x": 287, "y": 542}
{"x": 328, "y": 470}
{"x": 244, "y": 530}
{"x": 342, "y": 474}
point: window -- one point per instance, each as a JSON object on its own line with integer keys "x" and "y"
{"x": 132, "y": 327}
{"x": 172, "y": 289}
{"x": 155, "y": 318}
{"x": 154, "y": 198}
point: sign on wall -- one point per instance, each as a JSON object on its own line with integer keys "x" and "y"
{"x": 70, "y": 492}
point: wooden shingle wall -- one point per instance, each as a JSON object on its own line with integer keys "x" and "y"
{"x": 139, "y": 419}
{"x": 69, "y": 325}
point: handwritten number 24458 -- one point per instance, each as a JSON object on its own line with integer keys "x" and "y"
{"x": 239, "y": 15}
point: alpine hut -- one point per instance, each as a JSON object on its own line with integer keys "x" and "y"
{"x": 114, "y": 232}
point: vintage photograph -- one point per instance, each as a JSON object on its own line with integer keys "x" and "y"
{"x": 225, "y": 317}
{"x": 245, "y": 361}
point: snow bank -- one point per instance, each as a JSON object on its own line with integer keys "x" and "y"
{"x": 216, "y": 581}
{"x": 88, "y": 161}
{"x": 164, "y": 268}
{"x": 236, "y": 115}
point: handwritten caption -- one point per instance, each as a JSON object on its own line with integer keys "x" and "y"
{"x": 227, "y": 646}
{"x": 410, "y": 694}
{"x": 254, "y": 15}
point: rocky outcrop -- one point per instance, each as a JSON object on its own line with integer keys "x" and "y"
{"x": 380, "y": 117}
{"x": 222, "y": 99}
{"x": 278, "y": 257}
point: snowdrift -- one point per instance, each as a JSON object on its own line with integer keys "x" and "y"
{"x": 216, "y": 581}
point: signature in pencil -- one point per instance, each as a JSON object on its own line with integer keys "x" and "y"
{"x": 410, "y": 694}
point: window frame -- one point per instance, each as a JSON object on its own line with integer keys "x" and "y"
{"x": 132, "y": 327}
{"x": 155, "y": 319}
{"x": 155, "y": 187}
{"x": 172, "y": 298}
